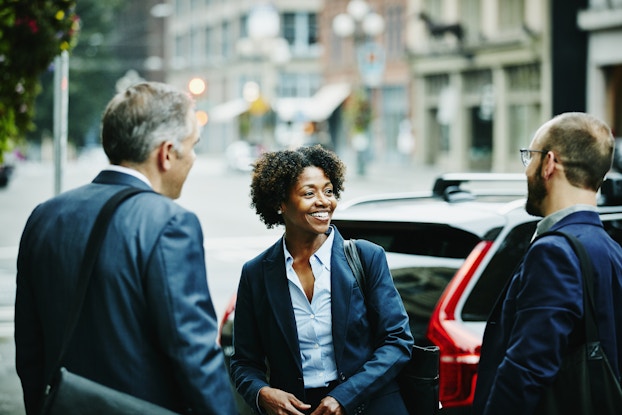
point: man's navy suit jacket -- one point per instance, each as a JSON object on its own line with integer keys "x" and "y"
{"x": 370, "y": 346}
{"x": 528, "y": 333}
{"x": 148, "y": 326}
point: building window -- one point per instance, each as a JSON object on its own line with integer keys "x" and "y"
{"x": 226, "y": 40}
{"x": 195, "y": 47}
{"x": 300, "y": 30}
{"x": 337, "y": 53}
{"x": 289, "y": 28}
{"x": 524, "y": 109}
{"x": 524, "y": 120}
{"x": 511, "y": 15}
{"x": 435, "y": 84}
{"x": 524, "y": 77}
{"x": 181, "y": 6}
{"x": 209, "y": 43}
{"x": 435, "y": 9}
{"x": 394, "y": 28}
{"x": 474, "y": 81}
{"x": 395, "y": 104}
{"x": 181, "y": 50}
{"x": 298, "y": 84}
{"x": 244, "y": 26}
{"x": 313, "y": 29}
{"x": 472, "y": 19}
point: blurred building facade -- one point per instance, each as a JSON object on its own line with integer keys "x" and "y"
{"x": 461, "y": 84}
{"x": 602, "y": 22}
{"x": 140, "y": 39}
{"x": 298, "y": 78}
{"x": 377, "y": 62}
{"x": 482, "y": 80}
{"x": 258, "y": 60}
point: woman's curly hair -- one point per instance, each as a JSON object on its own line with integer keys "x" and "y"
{"x": 276, "y": 172}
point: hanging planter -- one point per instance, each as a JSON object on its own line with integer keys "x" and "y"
{"x": 32, "y": 33}
{"x": 358, "y": 112}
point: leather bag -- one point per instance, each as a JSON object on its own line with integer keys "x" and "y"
{"x": 73, "y": 394}
{"x": 585, "y": 383}
{"x": 67, "y": 393}
{"x": 419, "y": 380}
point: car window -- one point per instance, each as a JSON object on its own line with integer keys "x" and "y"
{"x": 488, "y": 287}
{"x": 500, "y": 268}
{"x": 614, "y": 229}
{"x": 436, "y": 251}
{"x": 437, "y": 240}
{"x": 420, "y": 288}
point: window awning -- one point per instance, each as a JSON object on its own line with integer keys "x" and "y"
{"x": 317, "y": 108}
{"x": 227, "y": 111}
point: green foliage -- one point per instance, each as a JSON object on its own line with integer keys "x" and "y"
{"x": 32, "y": 33}
{"x": 93, "y": 71}
{"x": 358, "y": 111}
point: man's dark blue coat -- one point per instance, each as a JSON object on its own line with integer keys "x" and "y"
{"x": 529, "y": 333}
{"x": 148, "y": 326}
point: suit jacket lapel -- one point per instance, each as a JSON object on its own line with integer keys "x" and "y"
{"x": 342, "y": 281}
{"x": 277, "y": 291}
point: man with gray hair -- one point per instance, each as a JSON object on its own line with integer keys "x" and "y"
{"x": 147, "y": 326}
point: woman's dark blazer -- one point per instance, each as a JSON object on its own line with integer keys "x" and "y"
{"x": 371, "y": 343}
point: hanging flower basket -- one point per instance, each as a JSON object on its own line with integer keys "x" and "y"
{"x": 32, "y": 33}
{"x": 358, "y": 112}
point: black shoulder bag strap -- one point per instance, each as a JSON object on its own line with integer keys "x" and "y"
{"x": 354, "y": 260}
{"x": 587, "y": 271}
{"x": 88, "y": 262}
{"x": 605, "y": 388}
{"x": 419, "y": 379}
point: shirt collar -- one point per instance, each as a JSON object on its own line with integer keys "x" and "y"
{"x": 548, "y": 222}
{"x": 131, "y": 172}
{"x": 323, "y": 254}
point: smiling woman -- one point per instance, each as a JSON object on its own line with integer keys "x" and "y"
{"x": 299, "y": 310}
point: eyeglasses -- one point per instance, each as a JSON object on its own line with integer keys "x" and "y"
{"x": 525, "y": 155}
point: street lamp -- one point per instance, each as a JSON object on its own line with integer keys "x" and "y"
{"x": 265, "y": 46}
{"x": 359, "y": 20}
{"x": 362, "y": 24}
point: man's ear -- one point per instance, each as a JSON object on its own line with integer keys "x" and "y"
{"x": 165, "y": 152}
{"x": 549, "y": 165}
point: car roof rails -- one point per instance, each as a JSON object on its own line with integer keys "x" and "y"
{"x": 449, "y": 186}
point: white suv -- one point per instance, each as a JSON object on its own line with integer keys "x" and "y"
{"x": 450, "y": 251}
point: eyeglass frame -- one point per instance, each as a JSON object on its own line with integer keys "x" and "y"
{"x": 525, "y": 155}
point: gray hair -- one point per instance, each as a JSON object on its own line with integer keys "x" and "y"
{"x": 142, "y": 117}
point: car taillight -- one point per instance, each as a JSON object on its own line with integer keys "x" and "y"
{"x": 228, "y": 314}
{"x": 459, "y": 347}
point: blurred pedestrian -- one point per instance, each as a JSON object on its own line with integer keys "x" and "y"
{"x": 147, "y": 326}
{"x": 539, "y": 319}
{"x": 306, "y": 340}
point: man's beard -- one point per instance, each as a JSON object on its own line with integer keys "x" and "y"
{"x": 536, "y": 192}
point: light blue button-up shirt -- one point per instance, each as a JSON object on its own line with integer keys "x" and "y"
{"x": 314, "y": 320}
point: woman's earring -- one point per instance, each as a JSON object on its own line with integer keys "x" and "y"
{"x": 279, "y": 212}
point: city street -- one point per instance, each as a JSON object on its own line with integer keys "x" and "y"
{"x": 220, "y": 198}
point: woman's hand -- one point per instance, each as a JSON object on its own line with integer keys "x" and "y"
{"x": 279, "y": 402}
{"x": 329, "y": 406}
